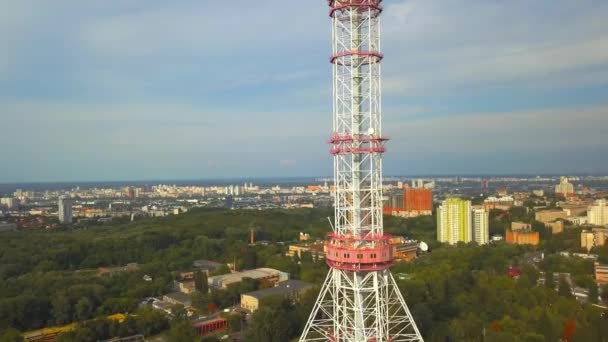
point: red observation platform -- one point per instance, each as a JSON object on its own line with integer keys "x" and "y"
{"x": 358, "y": 253}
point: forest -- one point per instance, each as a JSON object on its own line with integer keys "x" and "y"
{"x": 457, "y": 293}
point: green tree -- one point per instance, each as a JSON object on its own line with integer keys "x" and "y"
{"x": 564, "y": 288}
{"x": 593, "y": 292}
{"x": 549, "y": 280}
{"x": 182, "y": 331}
{"x": 84, "y": 309}
{"x": 62, "y": 308}
{"x": 11, "y": 335}
{"x": 200, "y": 282}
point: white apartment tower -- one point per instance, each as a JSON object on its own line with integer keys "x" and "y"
{"x": 65, "y": 210}
{"x": 454, "y": 221}
{"x": 597, "y": 214}
{"x": 481, "y": 226}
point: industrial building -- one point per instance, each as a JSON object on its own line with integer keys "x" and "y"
{"x": 251, "y": 301}
{"x": 267, "y": 275}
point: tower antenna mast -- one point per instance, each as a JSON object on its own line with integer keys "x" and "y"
{"x": 360, "y": 300}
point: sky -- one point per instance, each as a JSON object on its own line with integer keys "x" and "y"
{"x": 197, "y": 89}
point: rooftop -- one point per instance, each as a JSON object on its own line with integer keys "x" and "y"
{"x": 286, "y": 287}
{"x": 258, "y": 273}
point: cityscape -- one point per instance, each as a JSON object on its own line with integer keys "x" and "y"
{"x": 196, "y": 172}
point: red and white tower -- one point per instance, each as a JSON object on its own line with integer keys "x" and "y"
{"x": 359, "y": 301}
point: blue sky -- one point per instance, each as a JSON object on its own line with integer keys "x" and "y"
{"x": 149, "y": 89}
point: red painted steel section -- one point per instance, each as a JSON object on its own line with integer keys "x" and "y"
{"x": 342, "y": 253}
{"x": 377, "y": 56}
{"x": 339, "y": 138}
{"x": 336, "y": 5}
{"x": 357, "y": 150}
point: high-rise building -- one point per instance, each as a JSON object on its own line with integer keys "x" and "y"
{"x": 481, "y": 226}
{"x": 7, "y": 201}
{"x": 454, "y": 221}
{"x": 65, "y": 210}
{"x": 564, "y": 187}
{"x": 597, "y": 214}
{"x": 418, "y": 200}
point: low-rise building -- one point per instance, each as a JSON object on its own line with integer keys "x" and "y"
{"x": 206, "y": 266}
{"x": 550, "y": 215}
{"x": 404, "y": 249}
{"x": 267, "y": 275}
{"x": 556, "y": 227}
{"x": 601, "y": 273}
{"x": 522, "y": 237}
{"x": 251, "y": 301}
{"x": 516, "y": 226}
{"x": 317, "y": 250}
{"x": 178, "y": 298}
{"x": 595, "y": 237}
{"x": 502, "y": 203}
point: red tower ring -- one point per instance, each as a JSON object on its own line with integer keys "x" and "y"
{"x": 337, "y": 138}
{"x": 359, "y": 258}
{"x": 375, "y": 55}
{"x": 337, "y": 6}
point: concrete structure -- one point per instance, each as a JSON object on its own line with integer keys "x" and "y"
{"x": 251, "y": 301}
{"x": 65, "y": 210}
{"x": 359, "y": 300}
{"x": 454, "y": 221}
{"x": 481, "y": 226}
{"x": 267, "y": 275}
{"x": 597, "y": 214}
{"x": 596, "y": 237}
{"x": 564, "y": 187}
{"x": 601, "y": 273}
{"x": 551, "y": 215}
{"x": 522, "y": 237}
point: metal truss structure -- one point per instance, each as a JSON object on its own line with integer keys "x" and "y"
{"x": 360, "y": 300}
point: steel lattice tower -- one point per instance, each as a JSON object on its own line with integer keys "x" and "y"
{"x": 359, "y": 301}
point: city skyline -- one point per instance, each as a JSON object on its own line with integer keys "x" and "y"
{"x": 106, "y": 93}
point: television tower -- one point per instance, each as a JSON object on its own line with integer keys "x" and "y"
{"x": 360, "y": 300}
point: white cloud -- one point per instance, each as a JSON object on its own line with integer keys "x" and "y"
{"x": 434, "y": 45}
{"x": 551, "y": 129}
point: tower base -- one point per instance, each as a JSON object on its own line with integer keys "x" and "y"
{"x": 360, "y": 307}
